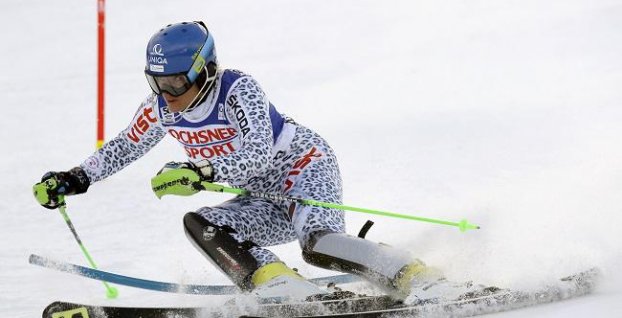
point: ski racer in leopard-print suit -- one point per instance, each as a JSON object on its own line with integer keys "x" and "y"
{"x": 231, "y": 133}
{"x": 249, "y": 145}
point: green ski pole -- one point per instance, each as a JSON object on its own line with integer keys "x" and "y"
{"x": 463, "y": 225}
{"x": 40, "y": 191}
{"x": 111, "y": 292}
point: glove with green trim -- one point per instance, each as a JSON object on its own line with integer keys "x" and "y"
{"x": 181, "y": 178}
{"x": 50, "y": 192}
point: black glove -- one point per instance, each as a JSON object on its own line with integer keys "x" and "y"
{"x": 55, "y": 185}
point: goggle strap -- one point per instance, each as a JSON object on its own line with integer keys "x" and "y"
{"x": 202, "y": 91}
{"x": 199, "y": 61}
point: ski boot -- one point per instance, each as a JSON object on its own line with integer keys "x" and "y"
{"x": 418, "y": 283}
{"x": 276, "y": 280}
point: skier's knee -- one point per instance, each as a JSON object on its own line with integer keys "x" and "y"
{"x": 308, "y": 246}
{"x": 351, "y": 254}
{"x": 216, "y": 243}
{"x": 316, "y": 250}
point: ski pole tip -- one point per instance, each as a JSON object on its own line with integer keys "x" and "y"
{"x": 112, "y": 292}
{"x": 464, "y": 226}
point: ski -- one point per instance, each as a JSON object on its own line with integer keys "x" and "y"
{"x": 486, "y": 301}
{"x": 163, "y": 286}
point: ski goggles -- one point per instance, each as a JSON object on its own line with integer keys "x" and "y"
{"x": 176, "y": 84}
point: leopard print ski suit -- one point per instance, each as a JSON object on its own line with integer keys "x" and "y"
{"x": 249, "y": 145}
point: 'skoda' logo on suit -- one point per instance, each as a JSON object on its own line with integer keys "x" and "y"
{"x": 240, "y": 115}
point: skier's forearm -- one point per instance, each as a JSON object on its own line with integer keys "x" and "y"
{"x": 117, "y": 154}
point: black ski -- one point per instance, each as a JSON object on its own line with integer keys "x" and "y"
{"x": 61, "y": 309}
{"x": 486, "y": 301}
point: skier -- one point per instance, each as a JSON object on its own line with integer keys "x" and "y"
{"x": 232, "y": 133}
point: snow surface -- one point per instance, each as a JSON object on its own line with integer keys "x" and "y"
{"x": 504, "y": 112}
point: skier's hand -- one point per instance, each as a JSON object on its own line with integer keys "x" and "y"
{"x": 202, "y": 168}
{"x": 180, "y": 178}
{"x": 205, "y": 170}
{"x": 54, "y": 186}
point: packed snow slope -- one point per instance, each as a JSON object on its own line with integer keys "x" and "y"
{"x": 503, "y": 112}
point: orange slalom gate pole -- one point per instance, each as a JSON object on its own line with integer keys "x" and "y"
{"x": 101, "y": 14}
